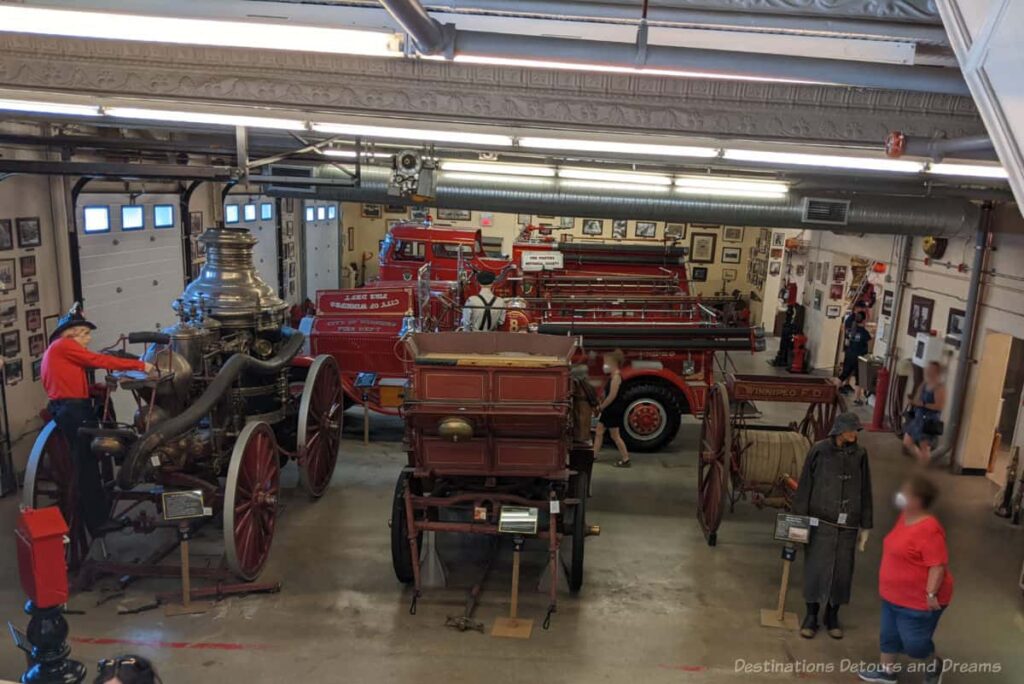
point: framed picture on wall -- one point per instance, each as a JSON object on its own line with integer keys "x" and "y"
{"x": 887, "y": 299}
{"x": 49, "y": 323}
{"x": 776, "y": 253}
{"x": 31, "y": 291}
{"x": 920, "y": 320}
{"x": 818, "y": 296}
{"x": 37, "y": 370}
{"x": 29, "y": 232}
{"x": 195, "y": 222}
{"x": 702, "y": 247}
{"x": 350, "y": 238}
{"x": 33, "y": 320}
{"x": 955, "y": 327}
{"x": 732, "y": 234}
{"x": 36, "y": 345}
{"x": 778, "y": 239}
{"x": 731, "y": 255}
{"x": 524, "y": 219}
{"x": 619, "y": 227}
{"x": 775, "y": 268}
{"x": 728, "y": 274}
{"x": 395, "y": 209}
{"x": 839, "y": 274}
{"x": 699, "y": 274}
{"x": 8, "y": 279}
{"x": 593, "y": 227}
{"x": 289, "y": 228}
{"x": 12, "y": 370}
{"x": 454, "y": 215}
{"x": 675, "y": 231}
{"x": 371, "y": 211}
{"x": 6, "y": 235}
{"x": 646, "y": 229}
{"x": 419, "y": 213}
{"x": 11, "y": 341}
{"x": 566, "y": 222}
{"x": 835, "y": 291}
{"x": 289, "y": 204}
{"x": 832, "y": 311}
{"x": 800, "y": 270}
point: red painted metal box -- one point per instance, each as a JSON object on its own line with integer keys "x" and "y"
{"x": 40, "y": 537}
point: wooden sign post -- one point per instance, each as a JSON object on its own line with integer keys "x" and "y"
{"x": 184, "y": 507}
{"x": 790, "y": 529}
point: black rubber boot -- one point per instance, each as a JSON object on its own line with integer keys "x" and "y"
{"x": 809, "y": 627}
{"x": 832, "y": 622}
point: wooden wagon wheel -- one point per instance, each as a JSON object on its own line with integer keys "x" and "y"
{"x": 250, "y": 500}
{"x": 578, "y": 488}
{"x": 319, "y": 430}
{"x": 713, "y": 469}
{"x": 50, "y": 481}
{"x": 819, "y": 418}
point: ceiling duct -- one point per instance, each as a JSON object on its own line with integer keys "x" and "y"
{"x": 557, "y": 197}
{"x": 828, "y": 211}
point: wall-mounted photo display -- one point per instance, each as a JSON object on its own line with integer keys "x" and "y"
{"x": 702, "y": 247}
{"x": 728, "y": 274}
{"x": 195, "y": 222}
{"x": 887, "y": 300}
{"x": 524, "y": 219}
{"x": 566, "y": 222}
{"x": 818, "y": 296}
{"x": 731, "y": 255}
{"x": 28, "y": 266}
{"x": 776, "y": 253}
{"x": 839, "y": 274}
{"x": 395, "y": 209}
{"x": 593, "y": 227}
{"x": 921, "y": 310}
{"x": 811, "y": 267}
{"x": 289, "y": 228}
{"x": 832, "y": 311}
{"x": 419, "y": 213}
{"x": 8, "y": 278}
{"x": 675, "y": 231}
{"x": 29, "y": 232}
{"x": 37, "y": 370}
{"x": 732, "y": 234}
{"x": 646, "y": 230}
{"x": 835, "y": 291}
{"x": 31, "y": 291}
{"x": 350, "y": 237}
{"x": 13, "y": 371}
{"x": 36, "y": 345}
{"x": 373, "y": 211}
{"x": 9, "y": 312}
{"x": 291, "y": 288}
{"x": 698, "y": 274}
{"x": 778, "y": 239}
{"x": 775, "y": 268}
{"x": 800, "y": 270}
{"x": 955, "y": 327}
{"x": 454, "y": 215}
{"x": 619, "y": 229}
{"x": 33, "y": 320}
{"x": 49, "y": 323}
{"x": 291, "y": 269}
{"x": 289, "y": 204}
{"x": 6, "y": 235}
{"x": 11, "y": 341}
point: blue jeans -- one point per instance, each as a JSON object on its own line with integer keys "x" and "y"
{"x": 909, "y": 631}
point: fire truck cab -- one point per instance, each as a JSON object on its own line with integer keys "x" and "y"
{"x": 408, "y": 246}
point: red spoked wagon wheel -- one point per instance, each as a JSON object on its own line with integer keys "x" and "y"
{"x": 319, "y": 435}
{"x": 818, "y": 420}
{"x": 50, "y": 481}
{"x": 250, "y": 500}
{"x": 713, "y": 469}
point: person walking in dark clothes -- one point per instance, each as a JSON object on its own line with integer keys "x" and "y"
{"x": 835, "y": 488}
{"x": 612, "y": 409}
{"x": 858, "y": 338}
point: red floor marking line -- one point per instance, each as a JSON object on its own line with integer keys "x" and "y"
{"x": 684, "y": 668}
{"x": 196, "y": 645}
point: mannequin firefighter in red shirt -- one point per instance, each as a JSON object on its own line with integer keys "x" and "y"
{"x": 64, "y": 379}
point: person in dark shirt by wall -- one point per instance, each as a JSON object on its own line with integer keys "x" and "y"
{"x": 858, "y": 338}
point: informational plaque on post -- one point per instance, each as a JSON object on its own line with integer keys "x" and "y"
{"x": 183, "y": 505}
{"x": 794, "y": 529}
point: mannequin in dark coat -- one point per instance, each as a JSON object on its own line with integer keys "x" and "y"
{"x": 835, "y": 487}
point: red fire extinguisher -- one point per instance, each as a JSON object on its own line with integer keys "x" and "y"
{"x": 798, "y": 356}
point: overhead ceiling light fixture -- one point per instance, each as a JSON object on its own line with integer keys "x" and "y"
{"x": 351, "y": 154}
{"x": 417, "y": 134}
{"x": 577, "y": 145}
{"x": 615, "y": 176}
{"x": 49, "y": 108}
{"x": 724, "y": 192}
{"x": 205, "y": 118}
{"x": 499, "y": 168}
{"x": 824, "y": 160}
{"x": 245, "y": 34}
{"x": 730, "y": 187}
{"x": 614, "y": 187}
{"x": 975, "y": 170}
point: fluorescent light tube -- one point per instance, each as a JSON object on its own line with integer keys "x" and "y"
{"x": 711, "y": 183}
{"x": 460, "y": 137}
{"x": 825, "y": 160}
{"x": 615, "y": 176}
{"x": 489, "y": 178}
{"x": 725, "y": 192}
{"x": 503, "y": 169}
{"x": 615, "y": 187}
{"x": 205, "y": 118}
{"x": 976, "y": 170}
{"x": 576, "y": 145}
{"x": 244, "y": 34}
{"x": 351, "y": 154}
{"x": 49, "y": 108}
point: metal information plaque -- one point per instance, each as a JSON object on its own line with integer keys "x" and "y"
{"x": 793, "y": 528}
{"x": 183, "y": 505}
{"x": 518, "y": 520}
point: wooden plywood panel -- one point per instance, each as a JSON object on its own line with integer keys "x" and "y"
{"x": 982, "y": 416}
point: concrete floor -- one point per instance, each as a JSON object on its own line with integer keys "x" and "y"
{"x": 658, "y": 605}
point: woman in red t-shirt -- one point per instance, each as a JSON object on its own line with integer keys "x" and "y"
{"x": 914, "y": 582}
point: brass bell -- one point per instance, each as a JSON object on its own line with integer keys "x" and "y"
{"x": 455, "y": 429}
{"x": 107, "y": 444}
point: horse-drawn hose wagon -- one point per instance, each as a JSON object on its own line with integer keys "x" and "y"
{"x": 739, "y": 457}
{"x": 231, "y": 402}
{"x": 493, "y": 420}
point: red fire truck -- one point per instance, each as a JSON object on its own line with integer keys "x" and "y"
{"x": 630, "y": 297}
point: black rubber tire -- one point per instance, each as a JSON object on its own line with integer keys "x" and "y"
{"x": 579, "y": 490}
{"x": 669, "y": 400}
{"x": 401, "y": 554}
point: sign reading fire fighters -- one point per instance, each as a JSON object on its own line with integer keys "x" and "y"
{"x": 365, "y": 301}
{"x": 536, "y": 260}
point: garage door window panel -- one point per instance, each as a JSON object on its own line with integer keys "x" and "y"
{"x": 231, "y": 213}
{"x": 266, "y": 211}
{"x": 133, "y": 217}
{"x": 163, "y": 216}
{"x": 250, "y": 212}
{"x": 97, "y": 220}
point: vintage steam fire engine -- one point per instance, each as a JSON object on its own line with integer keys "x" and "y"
{"x": 631, "y": 297}
{"x": 232, "y": 402}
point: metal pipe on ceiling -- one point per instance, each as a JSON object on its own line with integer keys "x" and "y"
{"x": 937, "y": 149}
{"x": 866, "y": 214}
{"x": 435, "y": 39}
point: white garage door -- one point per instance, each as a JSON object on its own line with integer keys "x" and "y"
{"x": 322, "y": 240}
{"x": 259, "y": 215}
